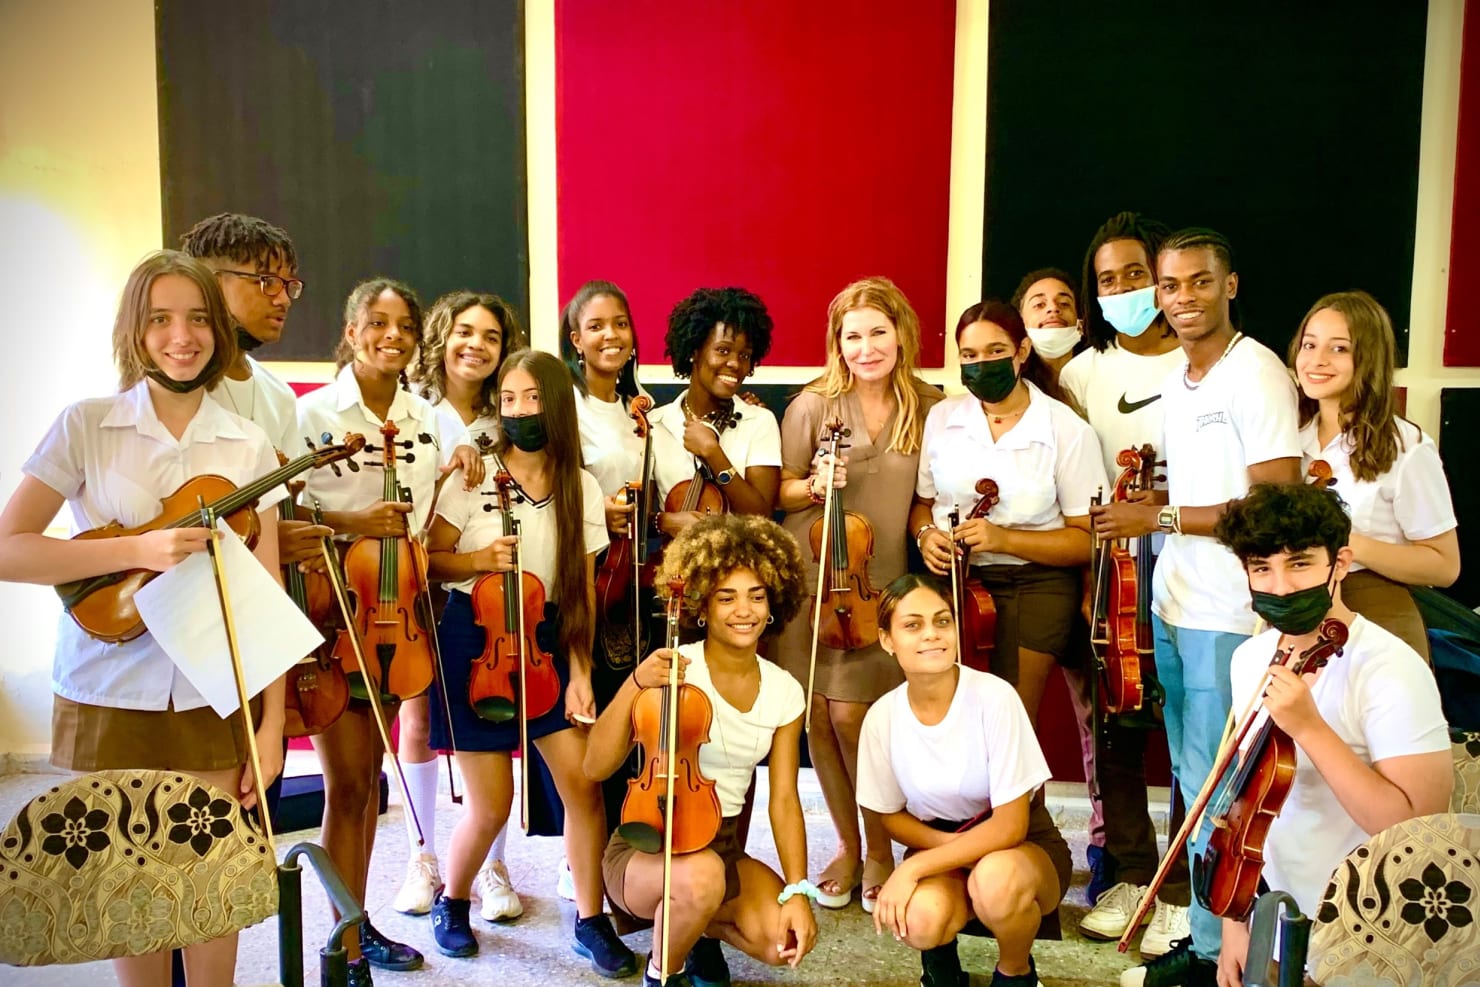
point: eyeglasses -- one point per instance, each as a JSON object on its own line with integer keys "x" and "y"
{"x": 271, "y": 284}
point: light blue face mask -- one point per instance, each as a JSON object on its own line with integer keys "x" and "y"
{"x": 1132, "y": 311}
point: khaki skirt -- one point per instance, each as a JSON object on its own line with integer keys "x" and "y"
{"x": 102, "y": 738}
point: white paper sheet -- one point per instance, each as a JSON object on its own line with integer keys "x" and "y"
{"x": 181, "y": 609}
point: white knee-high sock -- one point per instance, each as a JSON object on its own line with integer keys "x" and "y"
{"x": 421, "y": 779}
{"x": 496, "y": 852}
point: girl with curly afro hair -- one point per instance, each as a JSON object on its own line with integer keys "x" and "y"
{"x": 740, "y": 577}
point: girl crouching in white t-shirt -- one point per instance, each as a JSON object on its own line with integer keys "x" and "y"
{"x": 742, "y": 575}
{"x": 950, "y": 761}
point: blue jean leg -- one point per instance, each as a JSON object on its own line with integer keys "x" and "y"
{"x": 1199, "y": 694}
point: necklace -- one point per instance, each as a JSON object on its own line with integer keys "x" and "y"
{"x": 251, "y": 405}
{"x": 1187, "y": 381}
{"x": 999, "y": 419}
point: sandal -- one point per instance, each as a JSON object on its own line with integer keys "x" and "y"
{"x": 845, "y": 883}
{"x": 875, "y": 873}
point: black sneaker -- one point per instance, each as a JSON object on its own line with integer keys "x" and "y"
{"x": 451, "y": 927}
{"x": 1178, "y": 967}
{"x": 1029, "y": 979}
{"x": 679, "y": 979}
{"x": 359, "y": 974}
{"x": 1103, "y": 870}
{"x": 597, "y": 941}
{"x": 941, "y": 967}
{"x": 387, "y": 953}
{"x": 706, "y": 965}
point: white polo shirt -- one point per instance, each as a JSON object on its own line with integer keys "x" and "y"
{"x": 113, "y": 460}
{"x": 754, "y": 440}
{"x": 482, "y": 433}
{"x": 1047, "y": 466}
{"x": 611, "y": 449}
{"x": 1408, "y": 503}
{"x": 265, "y": 401}
{"x": 338, "y": 408}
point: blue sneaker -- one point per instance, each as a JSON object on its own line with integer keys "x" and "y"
{"x": 1103, "y": 868}
{"x": 451, "y": 927}
{"x": 597, "y": 941}
{"x": 706, "y": 965}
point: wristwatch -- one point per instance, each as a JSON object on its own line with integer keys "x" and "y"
{"x": 723, "y": 477}
{"x": 1169, "y": 519}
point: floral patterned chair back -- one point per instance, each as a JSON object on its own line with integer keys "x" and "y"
{"x": 1466, "y": 749}
{"x": 124, "y": 863}
{"x": 1400, "y": 910}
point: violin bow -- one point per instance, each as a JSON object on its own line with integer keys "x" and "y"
{"x": 520, "y": 673}
{"x": 670, "y": 771}
{"x": 957, "y": 602}
{"x": 377, "y": 709}
{"x": 823, "y": 564}
{"x": 425, "y": 593}
{"x": 254, "y": 757}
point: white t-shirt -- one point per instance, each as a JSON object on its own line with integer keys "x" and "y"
{"x": 1408, "y": 503}
{"x": 1380, "y": 699}
{"x": 1241, "y": 413}
{"x": 982, "y": 753}
{"x": 739, "y": 741}
{"x": 754, "y": 440}
{"x": 1120, "y": 393}
{"x": 1047, "y": 466}
{"x": 113, "y": 460}
{"x": 337, "y": 408}
{"x": 475, "y": 514}
{"x": 610, "y": 447}
{"x": 265, "y": 401}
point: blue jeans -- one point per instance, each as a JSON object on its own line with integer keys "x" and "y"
{"x": 1193, "y": 668}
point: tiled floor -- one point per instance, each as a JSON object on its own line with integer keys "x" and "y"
{"x": 536, "y": 949}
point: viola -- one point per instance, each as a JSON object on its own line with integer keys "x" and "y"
{"x": 514, "y": 676}
{"x": 392, "y": 611}
{"x": 1226, "y": 873}
{"x": 103, "y": 606}
{"x": 317, "y": 690}
{"x": 670, "y": 805}
{"x": 621, "y": 568}
{"x": 851, "y": 618}
{"x": 1120, "y": 632}
{"x": 976, "y": 610}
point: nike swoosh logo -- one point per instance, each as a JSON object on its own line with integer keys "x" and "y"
{"x": 1125, "y": 407}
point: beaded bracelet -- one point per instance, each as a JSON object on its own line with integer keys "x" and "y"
{"x": 804, "y": 887}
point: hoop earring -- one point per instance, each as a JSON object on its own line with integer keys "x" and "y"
{"x": 701, "y": 621}
{"x": 771, "y": 618}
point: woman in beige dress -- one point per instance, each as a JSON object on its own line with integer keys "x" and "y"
{"x": 873, "y": 347}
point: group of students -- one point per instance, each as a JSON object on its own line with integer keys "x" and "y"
{"x": 910, "y": 746}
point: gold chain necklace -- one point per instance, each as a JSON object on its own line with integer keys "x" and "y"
{"x": 1187, "y": 381}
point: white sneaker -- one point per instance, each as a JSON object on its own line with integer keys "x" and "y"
{"x": 422, "y": 882}
{"x": 1168, "y": 924}
{"x": 500, "y": 903}
{"x": 565, "y": 884}
{"x": 1112, "y": 913}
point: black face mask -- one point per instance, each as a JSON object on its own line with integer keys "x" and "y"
{"x": 990, "y": 380}
{"x": 245, "y": 341}
{"x": 527, "y": 432}
{"x": 1295, "y": 613}
{"x": 182, "y": 386}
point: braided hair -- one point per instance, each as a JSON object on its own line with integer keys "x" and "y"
{"x": 244, "y": 239}
{"x": 1122, "y": 226}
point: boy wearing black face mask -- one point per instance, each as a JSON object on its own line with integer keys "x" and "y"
{"x": 1373, "y": 750}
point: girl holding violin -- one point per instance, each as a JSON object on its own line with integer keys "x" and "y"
{"x": 383, "y": 327}
{"x": 740, "y": 575}
{"x": 1385, "y": 468}
{"x": 731, "y": 456}
{"x": 124, "y": 705}
{"x": 468, "y": 334}
{"x": 558, "y": 508}
{"x": 1029, "y": 550}
{"x": 1369, "y": 740}
{"x": 950, "y": 762}
{"x": 870, "y": 386}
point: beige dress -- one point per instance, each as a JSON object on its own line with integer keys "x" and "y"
{"x": 881, "y": 485}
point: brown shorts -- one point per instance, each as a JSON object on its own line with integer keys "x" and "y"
{"x": 100, "y": 738}
{"x": 1389, "y": 605}
{"x": 1042, "y": 833}
{"x": 618, "y": 852}
{"x": 1037, "y": 608}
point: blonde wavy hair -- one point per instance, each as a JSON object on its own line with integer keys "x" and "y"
{"x": 837, "y": 379}
{"x": 705, "y": 554}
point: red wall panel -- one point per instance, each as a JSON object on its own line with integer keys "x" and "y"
{"x": 784, "y": 147}
{"x": 1461, "y": 340}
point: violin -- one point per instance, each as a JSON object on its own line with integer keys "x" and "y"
{"x": 1226, "y": 873}
{"x": 621, "y": 569}
{"x": 317, "y": 690}
{"x": 852, "y": 619}
{"x": 1319, "y": 472}
{"x": 701, "y": 493}
{"x": 1121, "y": 629}
{"x": 976, "y": 610}
{"x": 103, "y": 606}
{"x": 392, "y": 610}
{"x": 670, "y": 804}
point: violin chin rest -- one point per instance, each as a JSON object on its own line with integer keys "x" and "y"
{"x": 642, "y": 837}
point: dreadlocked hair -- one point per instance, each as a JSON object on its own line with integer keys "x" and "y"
{"x": 429, "y": 369}
{"x": 694, "y": 318}
{"x": 1202, "y": 238}
{"x": 1006, "y": 318}
{"x": 1369, "y": 415}
{"x": 1284, "y": 517}
{"x": 570, "y": 322}
{"x": 837, "y": 379}
{"x": 1122, "y": 226}
{"x": 710, "y": 549}
{"x": 244, "y": 239}
{"x": 357, "y": 307}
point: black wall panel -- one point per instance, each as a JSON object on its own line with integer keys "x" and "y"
{"x": 1459, "y": 411}
{"x": 386, "y": 136}
{"x": 1290, "y": 127}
